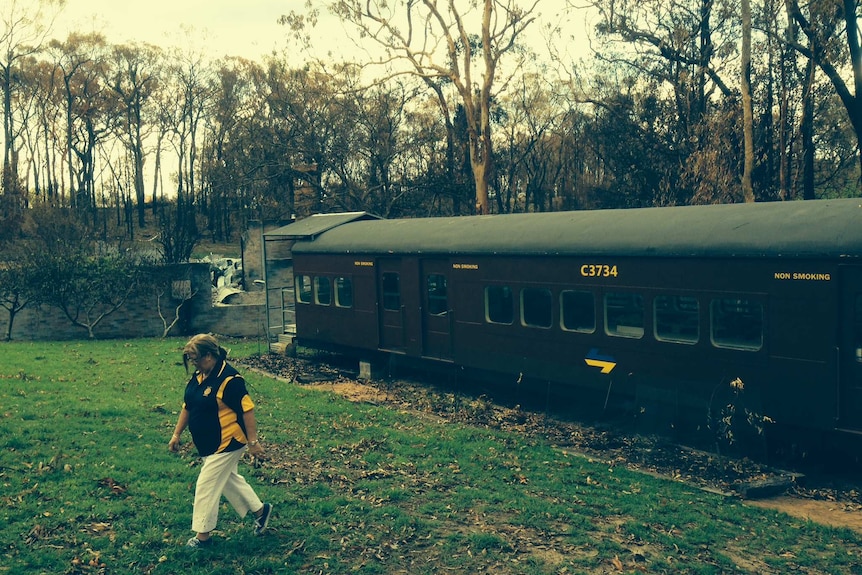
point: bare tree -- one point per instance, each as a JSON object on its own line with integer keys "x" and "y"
{"x": 181, "y": 292}
{"x": 87, "y": 106}
{"x": 460, "y": 44}
{"x": 25, "y": 26}
{"x": 133, "y": 77}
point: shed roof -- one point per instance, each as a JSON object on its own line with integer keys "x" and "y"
{"x": 313, "y": 226}
{"x": 814, "y": 228}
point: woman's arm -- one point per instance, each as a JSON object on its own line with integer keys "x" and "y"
{"x": 182, "y": 422}
{"x": 254, "y": 446}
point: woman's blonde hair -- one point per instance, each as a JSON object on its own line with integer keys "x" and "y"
{"x": 201, "y": 345}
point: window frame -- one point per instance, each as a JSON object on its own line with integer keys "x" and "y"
{"x": 679, "y": 312}
{"x": 391, "y": 299}
{"x": 338, "y": 284}
{"x": 320, "y": 281}
{"x": 434, "y": 296}
{"x": 303, "y": 288}
{"x": 507, "y": 294}
{"x": 528, "y": 299}
{"x": 736, "y": 343}
{"x": 564, "y": 307}
{"x": 630, "y": 330}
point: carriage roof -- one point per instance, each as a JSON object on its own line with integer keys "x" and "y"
{"x": 814, "y": 228}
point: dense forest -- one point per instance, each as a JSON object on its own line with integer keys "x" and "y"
{"x": 670, "y": 102}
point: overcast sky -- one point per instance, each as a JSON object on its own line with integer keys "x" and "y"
{"x": 247, "y": 28}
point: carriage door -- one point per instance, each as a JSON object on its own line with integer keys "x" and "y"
{"x": 436, "y": 310}
{"x": 390, "y": 304}
{"x": 850, "y": 394}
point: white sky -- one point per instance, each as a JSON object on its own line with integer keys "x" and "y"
{"x": 247, "y": 28}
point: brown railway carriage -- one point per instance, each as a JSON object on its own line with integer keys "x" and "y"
{"x": 657, "y": 308}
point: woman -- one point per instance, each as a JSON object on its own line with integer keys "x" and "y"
{"x": 220, "y": 415}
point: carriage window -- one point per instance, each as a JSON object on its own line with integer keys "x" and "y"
{"x": 737, "y": 324}
{"x": 578, "y": 311}
{"x": 677, "y": 318}
{"x": 343, "y": 292}
{"x": 536, "y": 307}
{"x": 322, "y": 291}
{"x": 391, "y": 291}
{"x": 303, "y": 289}
{"x": 624, "y": 315}
{"x": 498, "y": 304}
{"x": 438, "y": 304}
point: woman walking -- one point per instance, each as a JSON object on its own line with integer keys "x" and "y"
{"x": 219, "y": 412}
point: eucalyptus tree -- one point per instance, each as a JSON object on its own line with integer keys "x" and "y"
{"x": 307, "y": 127}
{"x": 132, "y": 74}
{"x": 229, "y": 168}
{"x": 831, "y": 41}
{"x": 25, "y": 110}
{"x": 191, "y": 90}
{"x": 370, "y": 168}
{"x": 88, "y": 109}
{"x": 24, "y": 28}
{"x": 747, "y": 111}
{"x": 529, "y": 163}
{"x": 682, "y": 52}
{"x": 42, "y": 132}
{"x": 461, "y": 43}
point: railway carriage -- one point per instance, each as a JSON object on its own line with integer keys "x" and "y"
{"x": 668, "y": 311}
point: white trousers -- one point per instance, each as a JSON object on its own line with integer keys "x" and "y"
{"x": 219, "y": 477}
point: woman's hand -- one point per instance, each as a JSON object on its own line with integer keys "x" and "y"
{"x": 174, "y": 443}
{"x": 256, "y": 450}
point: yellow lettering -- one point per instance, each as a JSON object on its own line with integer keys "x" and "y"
{"x": 803, "y": 276}
{"x": 811, "y": 277}
{"x": 599, "y": 271}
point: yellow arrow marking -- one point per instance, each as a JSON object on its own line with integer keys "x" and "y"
{"x": 607, "y": 366}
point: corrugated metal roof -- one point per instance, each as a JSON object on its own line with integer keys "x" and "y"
{"x": 312, "y": 226}
{"x": 815, "y": 228}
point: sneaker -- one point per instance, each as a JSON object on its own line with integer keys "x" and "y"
{"x": 261, "y": 522}
{"x": 196, "y": 543}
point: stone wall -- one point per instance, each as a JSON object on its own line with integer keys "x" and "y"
{"x": 139, "y": 316}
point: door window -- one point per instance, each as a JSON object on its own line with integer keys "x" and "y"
{"x": 391, "y": 291}
{"x": 438, "y": 302}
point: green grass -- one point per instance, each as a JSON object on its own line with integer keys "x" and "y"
{"x": 87, "y": 485}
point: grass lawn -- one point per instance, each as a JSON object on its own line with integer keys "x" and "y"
{"x": 87, "y": 485}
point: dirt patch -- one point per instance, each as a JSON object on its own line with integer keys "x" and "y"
{"x": 355, "y": 391}
{"x": 833, "y": 513}
{"x": 825, "y": 500}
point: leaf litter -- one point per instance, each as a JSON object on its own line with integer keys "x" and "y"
{"x": 831, "y": 500}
